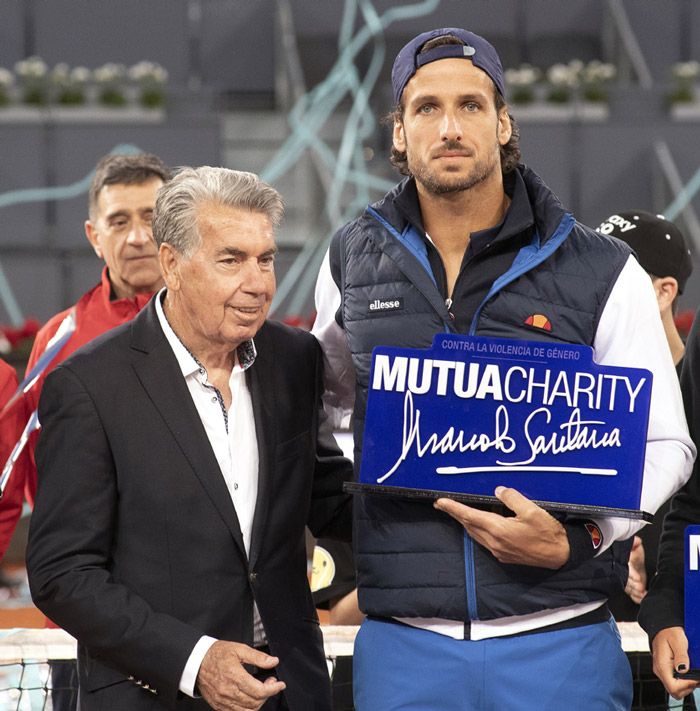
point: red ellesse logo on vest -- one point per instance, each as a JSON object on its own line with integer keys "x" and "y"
{"x": 595, "y": 534}
{"x": 538, "y": 321}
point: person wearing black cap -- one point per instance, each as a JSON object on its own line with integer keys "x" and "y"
{"x": 467, "y": 608}
{"x": 662, "y": 611}
{"x": 663, "y": 253}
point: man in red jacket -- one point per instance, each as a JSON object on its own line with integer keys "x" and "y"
{"x": 121, "y": 200}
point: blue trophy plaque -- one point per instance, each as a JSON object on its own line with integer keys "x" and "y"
{"x": 692, "y": 600}
{"x": 472, "y": 413}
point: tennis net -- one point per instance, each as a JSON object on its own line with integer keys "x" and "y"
{"x": 36, "y": 664}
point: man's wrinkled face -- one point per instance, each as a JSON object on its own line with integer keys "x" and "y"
{"x": 224, "y": 289}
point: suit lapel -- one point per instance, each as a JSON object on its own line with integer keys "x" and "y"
{"x": 161, "y": 378}
{"x": 258, "y": 378}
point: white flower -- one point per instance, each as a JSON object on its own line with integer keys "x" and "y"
{"x": 109, "y": 73}
{"x": 139, "y": 71}
{"x": 31, "y": 68}
{"x": 598, "y": 72}
{"x": 7, "y": 78}
{"x": 686, "y": 70}
{"x": 160, "y": 74}
{"x": 562, "y": 75}
{"x": 525, "y": 75}
{"x": 80, "y": 75}
{"x": 144, "y": 72}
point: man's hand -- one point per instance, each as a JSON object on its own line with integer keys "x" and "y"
{"x": 636, "y": 586}
{"x": 531, "y": 537}
{"x": 669, "y": 649}
{"x": 227, "y": 686}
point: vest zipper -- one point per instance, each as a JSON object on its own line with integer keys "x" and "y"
{"x": 448, "y": 303}
{"x": 535, "y": 256}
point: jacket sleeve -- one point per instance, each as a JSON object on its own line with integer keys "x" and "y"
{"x": 630, "y": 333}
{"x": 663, "y": 606}
{"x": 11, "y": 426}
{"x": 72, "y": 531}
{"x": 339, "y": 372}
{"x": 23, "y": 477}
{"x": 331, "y": 509}
{"x": 26, "y": 466}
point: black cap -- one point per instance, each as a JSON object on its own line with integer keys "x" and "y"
{"x": 660, "y": 246}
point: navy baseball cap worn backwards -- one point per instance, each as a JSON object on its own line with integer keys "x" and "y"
{"x": 409, "y": 60}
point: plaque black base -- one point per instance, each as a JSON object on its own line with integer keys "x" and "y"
{"x": 481, "y": 501}
{"x": 690, "y": 675}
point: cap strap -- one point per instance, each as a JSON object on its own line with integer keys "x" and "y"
{"x": 444, "y": 51}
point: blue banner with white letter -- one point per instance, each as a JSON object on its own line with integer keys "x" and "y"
{"x": 472, "y": 413}
{"x": 692, "y": 595}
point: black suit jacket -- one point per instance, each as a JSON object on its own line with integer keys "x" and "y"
{"x": 134, "y": 545}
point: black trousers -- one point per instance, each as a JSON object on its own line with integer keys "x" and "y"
{"x": 64, "y": 685}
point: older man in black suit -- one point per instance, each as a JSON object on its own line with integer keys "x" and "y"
{"x": 181, "y": 457}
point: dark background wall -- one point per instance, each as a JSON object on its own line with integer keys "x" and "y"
{"x": 226, "y": 60}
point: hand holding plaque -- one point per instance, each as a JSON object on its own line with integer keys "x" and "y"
{"x": 531, "y": 537}
{"x": 670, "y": 654}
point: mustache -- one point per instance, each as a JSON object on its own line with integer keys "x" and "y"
{"x": 450, "y": 146}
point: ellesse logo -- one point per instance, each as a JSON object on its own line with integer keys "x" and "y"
{"x": 385, "y": 305}
{"x": 538, "y": 321}
{"x": 595, "y": 534}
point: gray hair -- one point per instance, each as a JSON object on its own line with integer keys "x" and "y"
{"x": 177, "y": 202}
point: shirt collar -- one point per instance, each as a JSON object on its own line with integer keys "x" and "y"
{"x": 245, "y": 353}
{"x": 518, "y": 217}
{"x": 406, "y": 202}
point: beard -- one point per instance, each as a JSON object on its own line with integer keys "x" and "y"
{"x": 443, "y": 183}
